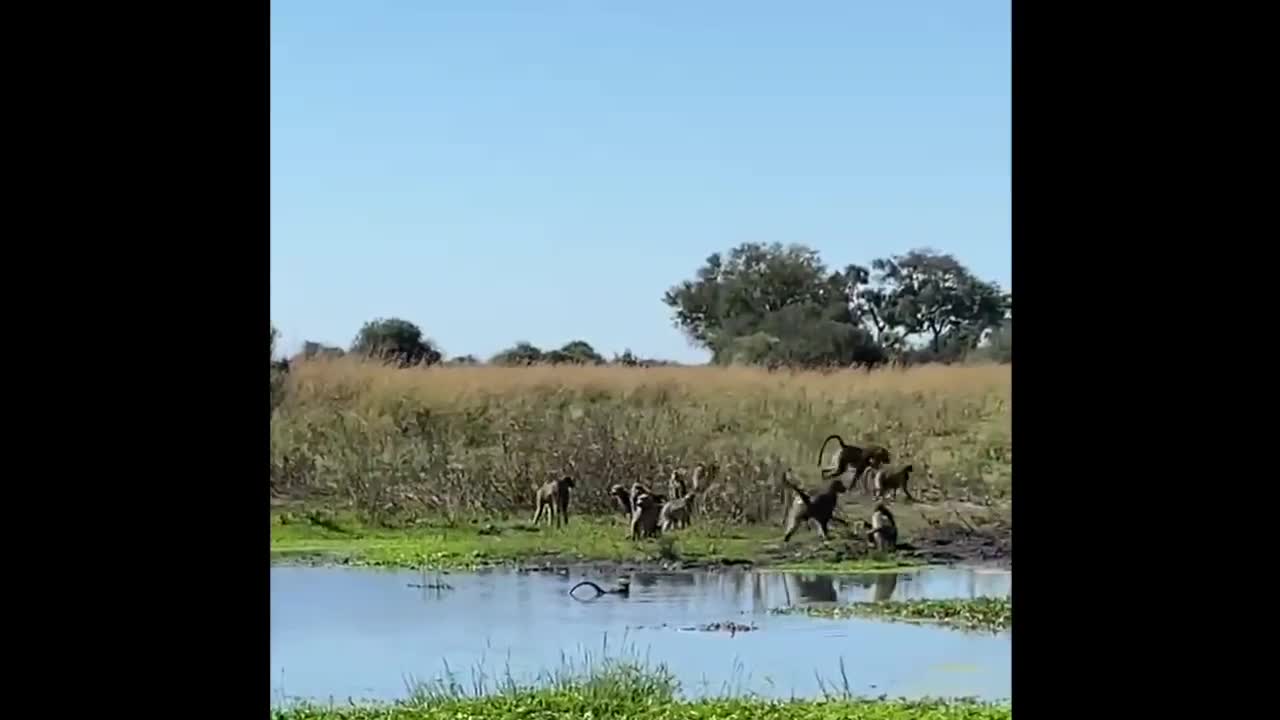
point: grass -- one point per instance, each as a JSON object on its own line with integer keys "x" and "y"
{"x": 343, "y": 537}
{"x": 626, "y": 689}
{"x": 994, "y": 614}
{"x": 452, "y": 442}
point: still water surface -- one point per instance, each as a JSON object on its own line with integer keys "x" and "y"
{"x": 365, "y": 634}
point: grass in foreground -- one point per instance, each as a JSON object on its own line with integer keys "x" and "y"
{"x": 985, "y": 613}
{"x": 461, "y": 545}
{"x": 630, "y": 690}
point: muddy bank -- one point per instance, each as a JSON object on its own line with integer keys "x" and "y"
{"x": 990, "y": 544}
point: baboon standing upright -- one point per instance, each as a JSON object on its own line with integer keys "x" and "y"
{"x": 884, "y": 529}
{"x": 819, "y": 508}
{"x": 644, "y": 516}
{"x": 852, "y": 456}
{"x": 675, "y": 484}
{"x": 553, "y": 500}
{"x": 678, "y": 512}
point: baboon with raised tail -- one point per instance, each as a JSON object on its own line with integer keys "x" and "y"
{"x": 858, "y": 458}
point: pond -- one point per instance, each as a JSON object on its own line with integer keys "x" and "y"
{"x": 339, "y": 633}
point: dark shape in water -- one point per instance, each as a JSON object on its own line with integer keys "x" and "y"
{"x": 623, "y": 589}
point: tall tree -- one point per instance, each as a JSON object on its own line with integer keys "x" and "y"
{"x": 395, "y": 340}
{"x": 772, "y": 303}
{"x": 932, "y": 294}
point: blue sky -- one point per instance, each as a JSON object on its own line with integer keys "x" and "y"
{"x": 498, "y": 170}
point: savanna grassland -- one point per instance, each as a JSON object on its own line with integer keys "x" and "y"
{"x": 437, "y": 465}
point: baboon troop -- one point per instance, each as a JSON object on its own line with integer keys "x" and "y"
{"x": 651, "y": 513}
{"x": 553, "y": 500}
{"x": 819, "y": 509}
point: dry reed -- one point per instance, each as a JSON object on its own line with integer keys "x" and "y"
{"x": 459, "y": 440}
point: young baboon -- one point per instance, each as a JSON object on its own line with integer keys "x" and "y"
{"x": 553, "y": 499}
{"x": 820, "y": 508}
{"x": 852, "y": 456}
{"x": 883, "y": 481}
{"x": 884, "y": 529}
{"x": 622, "y": 497}
{"x": 644, "y": 517}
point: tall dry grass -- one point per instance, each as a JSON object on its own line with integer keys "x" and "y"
{"x": 460, "y": 440}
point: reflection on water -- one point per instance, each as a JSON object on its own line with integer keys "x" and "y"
{"x": 339, "y": 632}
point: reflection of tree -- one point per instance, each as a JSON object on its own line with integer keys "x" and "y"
{"x": 886, "y": 583}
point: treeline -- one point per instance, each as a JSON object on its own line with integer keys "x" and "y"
{"x": 776, "y": 306}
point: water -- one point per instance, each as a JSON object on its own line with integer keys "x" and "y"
{"x": 364, "y": 634}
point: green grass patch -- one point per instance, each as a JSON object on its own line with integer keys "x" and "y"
{"x": 986, "y": 613}
{"x": 628, "y": 690}
{"x": 329, "y": 537}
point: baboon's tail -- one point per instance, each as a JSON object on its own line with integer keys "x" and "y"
{"x": 823, "y": 448}
{"x": 599, "y": 590}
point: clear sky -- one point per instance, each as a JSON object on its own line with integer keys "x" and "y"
{"x": 503, "y": 170}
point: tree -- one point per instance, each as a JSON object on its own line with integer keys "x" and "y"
{"x": 275, "y": 335}
{"x": 395, "y": 340}
{"x": 464, "y": 360}
{"x": 523, "y": 353}
{"x": 773, "y": 304}
{"x": 932, "y": 294}
{"x": 577, "y": 352}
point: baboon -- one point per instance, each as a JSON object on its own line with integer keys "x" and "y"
{"x": 677, "y": 512}
{"x": 883, "y": 481}
{"x": 884, "y": 530}
{"x": 675, "y": 484}
{"x": 623, "y": 588}
{"x": 703, "y": 476}
{"x": 819, "y": 508}
{"x": 553, "y": 498}
{"x": 622, "y": 497}
{"x": 858, "y": 458}
{"x": 637, "y": 490}
{"x": 644, "y": 516}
